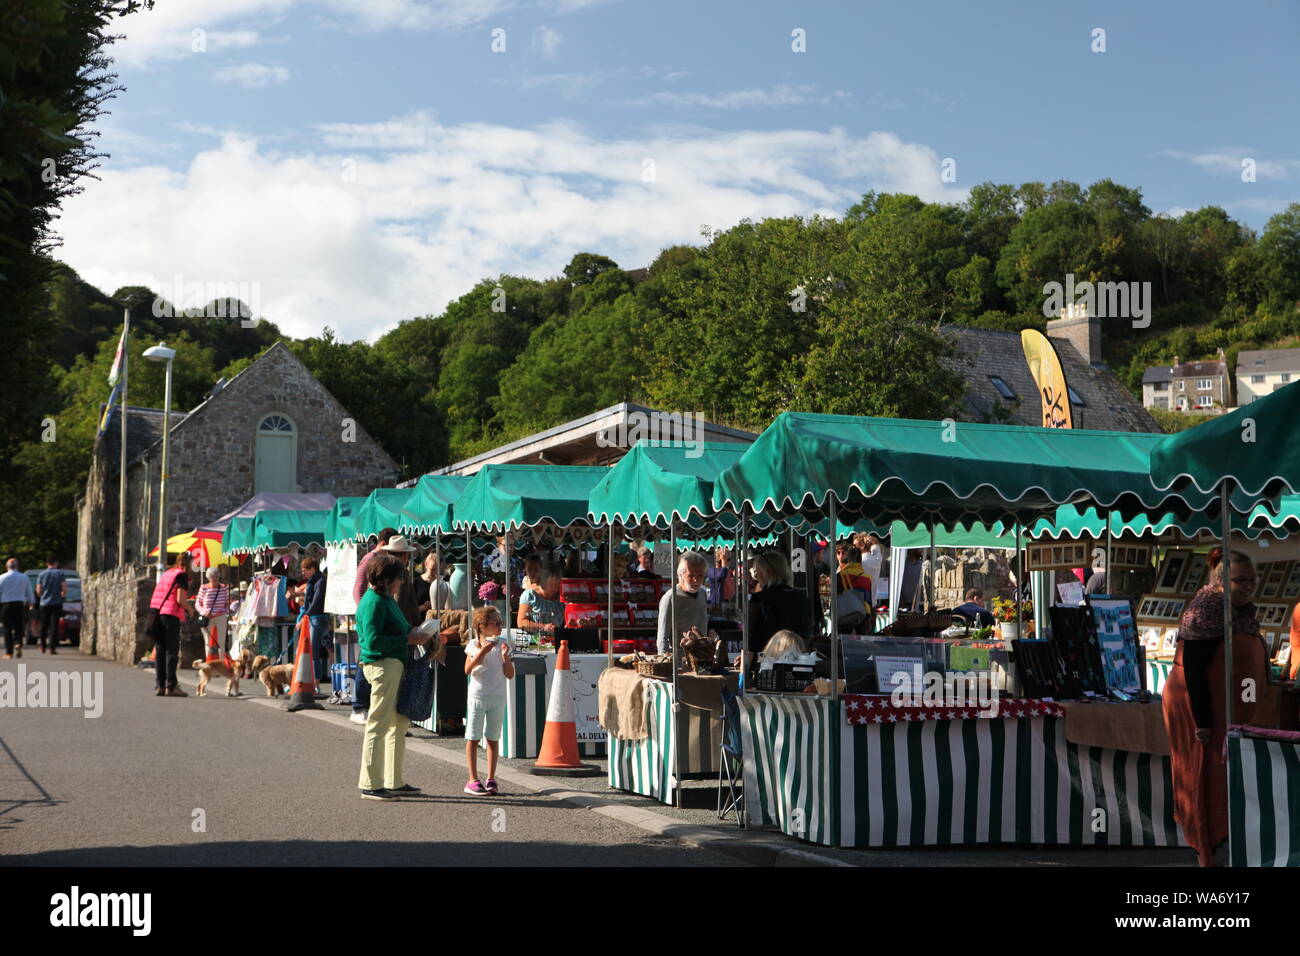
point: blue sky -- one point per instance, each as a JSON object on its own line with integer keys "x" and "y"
{"x": 357, "y": 162}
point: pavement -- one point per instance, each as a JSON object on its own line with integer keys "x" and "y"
{"x": 134, "y": 786}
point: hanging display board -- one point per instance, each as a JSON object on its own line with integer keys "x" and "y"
{"x": 1066, "y": 555}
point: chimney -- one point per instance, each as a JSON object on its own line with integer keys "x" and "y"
{"x": 1177, "y": 361}
{"x": 1081, "y": 330}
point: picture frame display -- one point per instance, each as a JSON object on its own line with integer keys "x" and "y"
{"x": 1194, "y": 577}
{"x": 1171, "y": 571}
{"x": 1291, "y": 589}
{"x": 1271, "y": 585}
{"x": 1117, "y": 635}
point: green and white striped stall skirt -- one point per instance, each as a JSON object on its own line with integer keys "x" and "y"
{"x": 649, "y": 767}
{"x": 945, "y": 782}
{"x": 1264, "y": 800}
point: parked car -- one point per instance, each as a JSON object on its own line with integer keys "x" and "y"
{"x": 69, "y": 629}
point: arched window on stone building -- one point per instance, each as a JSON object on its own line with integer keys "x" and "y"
{"x": 277, "y": 454}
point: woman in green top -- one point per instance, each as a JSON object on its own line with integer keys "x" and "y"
{"x": 384, "y": 633}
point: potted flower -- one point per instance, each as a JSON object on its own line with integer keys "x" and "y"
{"x": 1007, "y": 613}
{"x": 489, "y": 592}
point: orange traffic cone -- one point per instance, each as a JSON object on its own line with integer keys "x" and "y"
{"x": 559, "y": 753}
{"x": 214, "y": 652}
{"x": 302, "y": 691}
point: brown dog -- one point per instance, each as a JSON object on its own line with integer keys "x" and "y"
{"x": 277, "y": 678}
{"x": 210, "y": 669}
{"x": 258, "y": 664}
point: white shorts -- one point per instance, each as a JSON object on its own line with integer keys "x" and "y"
{"x": 484, "y": 716}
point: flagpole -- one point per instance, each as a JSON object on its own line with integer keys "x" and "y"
{"x": 121, "y": 481}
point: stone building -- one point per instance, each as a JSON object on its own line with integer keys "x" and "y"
{"x": 1000, "y": 387}
{"x": 272, "y": 427}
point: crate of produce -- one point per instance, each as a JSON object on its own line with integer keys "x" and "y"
{"x": 576, "y": 590}
{"x": 784, "y": 678}
{"x": 584, "y": 615}
{"x": 660, "y": 669}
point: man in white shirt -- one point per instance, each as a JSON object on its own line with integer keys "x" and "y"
{"x": 16, "y": 598}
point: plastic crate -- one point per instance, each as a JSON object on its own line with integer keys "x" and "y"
{"x": 343, "y": 678}
{"x": 784, "y": 678}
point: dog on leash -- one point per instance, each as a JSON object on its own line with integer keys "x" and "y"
{"x": 210, "y": 669}
{"x": 276, "y": 679}
{"x": 258, "y": 664}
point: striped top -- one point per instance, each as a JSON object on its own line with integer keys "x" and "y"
{"x": 213, "y": 600}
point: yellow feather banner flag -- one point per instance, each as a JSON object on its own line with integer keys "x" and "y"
{"x": 1045, "y": 366}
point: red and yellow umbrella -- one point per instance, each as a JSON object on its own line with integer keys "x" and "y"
{"x": 204, "y": 545}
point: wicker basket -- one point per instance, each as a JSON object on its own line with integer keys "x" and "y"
{"x": 654, "y": 668}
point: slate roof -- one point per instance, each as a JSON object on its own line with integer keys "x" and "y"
{"x": 982, "y": 353}
{"x": 1208, "y": 369}
{"x": 1157, "y": 374}
{"x": 1268, "y": 361}
{"x": 143, "y": 430}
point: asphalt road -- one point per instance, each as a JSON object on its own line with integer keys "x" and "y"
{"x": 131, "y": 788}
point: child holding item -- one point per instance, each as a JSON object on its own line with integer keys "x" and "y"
{"x": 488, "y": 664}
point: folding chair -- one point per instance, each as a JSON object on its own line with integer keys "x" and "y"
{"x": 730, "y": 762}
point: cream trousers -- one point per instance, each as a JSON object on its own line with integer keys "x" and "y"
{"x": 383, "y": 748}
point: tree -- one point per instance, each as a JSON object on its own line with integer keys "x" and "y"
{"x": 1279, "y": 255}
{"x": 586, "y": 266}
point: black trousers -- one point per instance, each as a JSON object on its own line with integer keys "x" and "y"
{"x": 11, "y": 614}
{"x": 169, "y": 652}
{"x": 50, "y": 614}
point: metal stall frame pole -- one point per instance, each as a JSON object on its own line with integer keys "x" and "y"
{"x": 742, "y": 592}
{"x": 469, "y": 584}
{"x": 932, "y": 589}
{"x": 506, "y": 560}
{"x": 835, "y": 606}
{"x": 437, "y": 550}
{"x": 1020, "y": 583}
{"x": 1110, "y": 540}
{"x": 609, "y": 619}
{"x": 674, "y": 640}
{"x": 1225, "y": 568}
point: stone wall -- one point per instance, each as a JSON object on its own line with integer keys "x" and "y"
{"x": 213, "y": 452}
{"x": 115, "y": 607}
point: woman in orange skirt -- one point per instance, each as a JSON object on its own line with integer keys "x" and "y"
{"x": 1194, "y": 705}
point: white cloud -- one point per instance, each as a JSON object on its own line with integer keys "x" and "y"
{"x": 781, "y": 94}
{"x": 167, "y": 31}
{"x": 1230, "y": 161}
{"x": 394, "y": 219}
{"x": 546, "y": 41}
{"x": 251, "y": 76}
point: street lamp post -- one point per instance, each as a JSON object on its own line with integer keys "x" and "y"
{"x": 160, "y": 353}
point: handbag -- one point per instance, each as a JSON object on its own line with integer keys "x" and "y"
{"x": 415, "y": 696}
{"x": 153, "y": 623}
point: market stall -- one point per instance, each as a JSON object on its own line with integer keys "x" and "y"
{"x": 1250, "y": 454}
{"x": 826, "y": 769}
{"x": 665, "y": 491}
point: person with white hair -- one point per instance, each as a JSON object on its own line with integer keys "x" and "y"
{"x": 690, "y": 600}
{"x": 213, "y": 604}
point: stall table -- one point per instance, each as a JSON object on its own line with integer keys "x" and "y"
{"x": 860, "y": 772}
{"x": 527, "y": 697}
{"x": 649, "y": 766}
{"x": 1263, "y": 796}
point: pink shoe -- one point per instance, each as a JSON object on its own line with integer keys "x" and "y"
{"x": 475, "y": 788}
{"x": 490, "y": 786}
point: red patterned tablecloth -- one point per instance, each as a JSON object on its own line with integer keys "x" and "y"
{"x": 863, "y": 709}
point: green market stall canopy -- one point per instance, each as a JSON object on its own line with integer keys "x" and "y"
{"x": 512, "y": 497}
{"x": 946, "y": 473}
